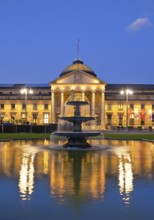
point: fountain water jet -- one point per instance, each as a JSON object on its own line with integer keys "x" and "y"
{"x": 77, "y": 138}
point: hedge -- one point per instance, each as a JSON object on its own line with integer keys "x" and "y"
{"x": 28, "y": 128}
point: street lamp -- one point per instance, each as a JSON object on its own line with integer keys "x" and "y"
{"x": 126, "y": 92}
{"x": 26, "y": 91}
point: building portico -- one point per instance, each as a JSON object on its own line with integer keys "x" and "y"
{"x": 78, "y": 82}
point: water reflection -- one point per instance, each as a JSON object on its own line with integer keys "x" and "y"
{"x": 26, "y": 176}
{"x": 77, "y": 175}
{"x": 125, "y": 176}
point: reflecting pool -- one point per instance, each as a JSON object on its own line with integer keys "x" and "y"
{"x": 38, "y": 182}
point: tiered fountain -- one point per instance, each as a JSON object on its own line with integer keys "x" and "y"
{"x": 77, "y": 138}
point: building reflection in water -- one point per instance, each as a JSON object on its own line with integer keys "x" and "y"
{"x": 125, "y": 176}
{"x": 26, "y": 176}
{"x": 78, "y": 175}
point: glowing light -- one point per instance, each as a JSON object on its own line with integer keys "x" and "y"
{"x": 127, "y": 92}
{"x": 26, "y": 91}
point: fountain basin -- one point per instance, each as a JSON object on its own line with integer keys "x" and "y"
{"x": 77, "y": 118}
{"x": 77, "y": 139}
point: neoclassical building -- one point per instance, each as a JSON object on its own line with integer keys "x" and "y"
{"x": 45, "y": 103}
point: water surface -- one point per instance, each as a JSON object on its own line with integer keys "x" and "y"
{"x": 37, "y": 182}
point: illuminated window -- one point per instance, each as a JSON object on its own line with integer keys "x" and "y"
{"x": 120, "y": 107}
{"x": 46, "y": 118}
{"x": 35, "y": 118}
{"x": 23, "y": 116}
{"x": 131, "y": 119}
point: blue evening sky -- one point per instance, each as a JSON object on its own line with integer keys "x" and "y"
{"x": 38, "y": 39}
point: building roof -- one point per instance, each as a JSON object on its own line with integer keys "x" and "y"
{"x": 109, "y": 87}
{"x": 130, "y": 86}
{"x": 19, "y": 86}
{"x": 78, "y": 65}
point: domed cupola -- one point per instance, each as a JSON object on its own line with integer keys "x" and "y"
{"x": 78, "y": 65}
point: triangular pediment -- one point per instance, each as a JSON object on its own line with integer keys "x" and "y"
{"x": 78, "y": 77}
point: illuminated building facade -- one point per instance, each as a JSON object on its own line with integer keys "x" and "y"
{"x": 47, "y": 102}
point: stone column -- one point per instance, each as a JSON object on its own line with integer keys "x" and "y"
{"x": 83, "y": 95}
{"x": 102, "y": 110}
{"x": 53, "y": 120}
{"x": 93, "y": 103}
{"x": 62, "y": 104}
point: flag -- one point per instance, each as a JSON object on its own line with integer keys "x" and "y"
{"x": 142, "y": 114}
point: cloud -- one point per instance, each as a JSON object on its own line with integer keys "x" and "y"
{"x": 139, "y": 24}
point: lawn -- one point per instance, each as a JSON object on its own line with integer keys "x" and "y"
{"x": 128, "y": 136}
{"x": 6, "y": 136}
